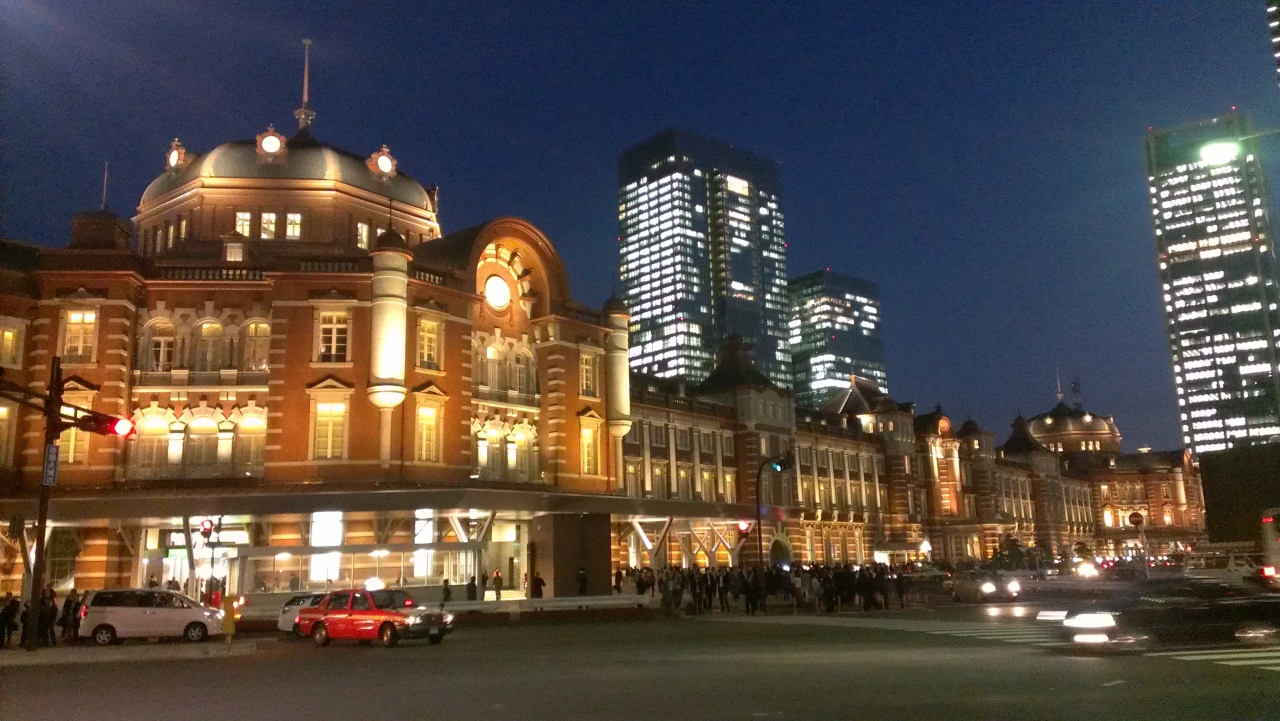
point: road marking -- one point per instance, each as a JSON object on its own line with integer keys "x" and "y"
{"x": 1252, "y": 662}
{"x": 1114, "y": 683}
{"x": 1208, "y": 655}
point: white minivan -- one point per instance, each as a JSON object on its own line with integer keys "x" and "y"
{"x": 117, "y": 614}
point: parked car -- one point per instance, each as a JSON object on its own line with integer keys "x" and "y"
{"x": 1185, "y": 611}
{"x": 982, "y": 587}
{"x": 112, "y": 616}
{"x": 1233, "y": 568}
{"x": 289, "y": 611}
{"x": 353, "y": 614}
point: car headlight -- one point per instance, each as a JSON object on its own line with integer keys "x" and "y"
{"x": 448, "y": 618}
{"x": 988, "y": 587}
{"x": 1090, "y": 620}
{"x": 415, "y": 619}
{"x": 1014, "y": 587}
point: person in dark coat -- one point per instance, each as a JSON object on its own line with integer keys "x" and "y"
{"x": 582, "y": 580}
{"x": 70, "y": 609}
{"x": 471, "y": 589}
{"x": 537, "y": 584}
{"x": 446, "y": 592}
{"x": 47, "y": 621}
{"x": 8, "y": 618}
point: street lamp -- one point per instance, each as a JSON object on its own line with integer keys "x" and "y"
{"x": 778, "y": 465}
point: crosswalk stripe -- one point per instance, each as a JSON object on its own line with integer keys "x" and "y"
{"x": 1229, "y": 656}
{"x": 1188, "y": 655}
{"x": 1009, "y": 632}
{"x": 1249, "y": 662}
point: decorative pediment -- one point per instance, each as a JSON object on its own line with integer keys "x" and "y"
{"x": 430, "y": 389}
{"x": 333, "y": 294}
{"x": 330, "y": 383}
{"x": 432, "y": 306}
{"x": 80, "y": 295}
{"x": 76, "y": 384}
{"x": 590, "y": 413}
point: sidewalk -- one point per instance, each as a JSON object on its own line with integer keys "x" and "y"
{"x": 63, "y": 655}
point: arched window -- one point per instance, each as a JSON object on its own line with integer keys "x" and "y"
{"x": 520, "y": 374}
{"x": 151, "y": 446}
{"x": 492, "y": 366}
{"x": 257, "y": 340}
{"x": 1108, "y": 517}
{"x": 160, "y": 346}
{"x": 201, "y": 448}
{"x": 208, "y": 353}
{"x": 1168, "y": 514}
{"x": 249, "y": 447}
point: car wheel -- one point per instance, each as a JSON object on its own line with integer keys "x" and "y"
{"x": 297, "y": 631}
{"x": 955, "y": 597}
{"x": 387, "y": 634}
{"x": 104, "y": 635}
{"x": 1257, "y": 633}
{"x": 195, "y": 632}
{"x": 320, "y": 634}
{"x": 435, "y": 639}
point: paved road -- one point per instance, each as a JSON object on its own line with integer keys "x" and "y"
{"x": 961, "y": 664}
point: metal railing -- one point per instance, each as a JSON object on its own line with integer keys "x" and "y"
{"x": 183, "y": 377}
{"x": 502, "y": 395}
{"x": 329, "y": 266}
{"x": 229, "y": 274}
{"x": 182, "y": 471}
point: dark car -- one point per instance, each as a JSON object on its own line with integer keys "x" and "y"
{"x": 1178, "y": 612}
{"x": 982, "y": 587}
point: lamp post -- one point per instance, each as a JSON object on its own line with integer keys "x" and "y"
{"x": 779, "y": 464}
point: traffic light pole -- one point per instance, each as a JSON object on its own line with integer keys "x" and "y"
{"x": 52, "y": 429}
{"x": 759, "y": 512}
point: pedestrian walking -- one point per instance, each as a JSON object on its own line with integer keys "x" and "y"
{"x": 536, "y": 585}
{"x": 471, "y": 589}
{"x": 582, "y": 580}
{"x": 497, "y": 585}
{"x": 446, "y": 592}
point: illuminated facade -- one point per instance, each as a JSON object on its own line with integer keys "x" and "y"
{"x": 1211, "y": 211}
{"x": 835, "y": 334}
{"x": 1273, "y": 26}
{"x": 703, "y": 255}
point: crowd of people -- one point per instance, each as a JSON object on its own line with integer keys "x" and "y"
{"x": 46, "y": 624}
{"x": 869, "y": 587}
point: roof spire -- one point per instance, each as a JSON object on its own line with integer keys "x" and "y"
{"x": 105, "y": 167}
{"x": 1058, "y": 377}
{"x": 304, "y": 114}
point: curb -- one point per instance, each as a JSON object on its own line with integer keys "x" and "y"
{"x": 149, "y": 652}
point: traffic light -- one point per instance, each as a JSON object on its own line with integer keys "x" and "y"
{"x": 744, "y": 526}
{"x": 206, "y": 529}
{"x": 104, "y": 424}
{"x": 782, "y": 463}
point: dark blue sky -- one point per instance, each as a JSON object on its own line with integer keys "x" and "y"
{"x": 980, "y": 162}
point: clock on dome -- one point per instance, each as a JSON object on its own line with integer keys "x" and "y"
{"x": 271, "y": 145}
{"x": 176, "y": 156}
{"x": 382, "y": 164}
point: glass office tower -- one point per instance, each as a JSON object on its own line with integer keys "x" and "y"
{"x": 703, "y": 255}
{"x": 1211, "y": 209}
{"x": 835, "y": 333}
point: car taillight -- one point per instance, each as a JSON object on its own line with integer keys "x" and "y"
{"x": 408, "y": 603}
{"x": 1269, "y": 571}
{"x": 297, "y": 619}
{"x": 84, "y": 610}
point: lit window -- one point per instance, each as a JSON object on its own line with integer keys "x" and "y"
{"x": 326, "y": 530}
{"x": 170, "y": 229}
{"x": 162, "y": 340}
{"x": 428, "y": 447}
{"x": 429, "y": 344}
{"x": 151, "y": 445}
{"x": 81, "y": 336}
{"x": 330, "y": 431}
{"x": 182, "y": 229}
{"x": 201, "y": 447}
{"x": 73, "y": 443}
{"x": 1108, "y": 517}
{"x": 682, "y": 439}
{"x": 243, "y": 223}
{"x": 208, "y": 355}
{"x": 257, "y": 342}
{"x": 362, "y": 235}
{"x": 10, "y": 347}
{"x": 590, "y": 453}
{"x": 267, "y": 230}
{"x": 249, "y": 449}
{"x": 333, "y": 338}
{"x": 737, "y": 185}
{"x": 293, "y": 226}
{"x": 233, "y": 252}
{"x": 588, "y": 376}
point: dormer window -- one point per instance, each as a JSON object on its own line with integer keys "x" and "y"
{"x": 233, "y": 252}
{"x": 293, "y": 226}
{"x": 267, "y": 228}
{"x": 362, "y": 235}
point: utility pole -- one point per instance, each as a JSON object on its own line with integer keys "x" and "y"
{"x": 52, "y": 429}
{"x": 57, "y": 417}
{"x": 779, "y": 464}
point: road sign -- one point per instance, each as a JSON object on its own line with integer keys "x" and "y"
{"x": 50, "y": 465}
{"x": 1135, "y": 519}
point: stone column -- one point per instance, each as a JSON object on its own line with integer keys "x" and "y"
{"x": 387, "y": 337}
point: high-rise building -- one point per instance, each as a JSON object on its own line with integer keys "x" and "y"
{"x": 1211, "y": 210}
{"x": 1273, "y": 23}
{"x": 703, "y": 255}
{"x": 835, "y": 333}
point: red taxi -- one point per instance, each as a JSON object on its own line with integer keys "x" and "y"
{"x": 358, "y": 614}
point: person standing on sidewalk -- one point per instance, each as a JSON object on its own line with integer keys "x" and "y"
{"x": 70, "y": 607}
{"x": 228, "y": 617}
{"x": 497, "y": 585}
{"x": 8, "y": 618}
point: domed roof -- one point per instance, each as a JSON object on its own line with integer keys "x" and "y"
{"x": 390, "y": 240}
{"x": 304, "y": 159}
{"x": 1065, "y": 419}
{"x": 615, "y": 305}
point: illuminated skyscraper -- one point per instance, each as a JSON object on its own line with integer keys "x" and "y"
{"x": 1273, "y": 22}
{"x": 1211, "y": 209}
{"x": 835, "y": 333}
{"x": 703, "y": 255}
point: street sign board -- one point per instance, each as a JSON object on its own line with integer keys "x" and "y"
{"x": 50, "y": 465}
{"x": 1135, "y": 519}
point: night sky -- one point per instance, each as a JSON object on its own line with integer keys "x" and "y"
{"x": 980, "y": 162}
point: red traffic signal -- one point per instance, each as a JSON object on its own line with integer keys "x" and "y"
{"x": 104, "y": 424}
{"x": 206, "y": 528}
{"x": 744, "y": 526}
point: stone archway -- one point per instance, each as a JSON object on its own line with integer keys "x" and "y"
{"x": 779, "y": 552}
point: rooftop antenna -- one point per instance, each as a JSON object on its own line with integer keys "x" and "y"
{"x": 304, "y": 114}
{"x": 106, "y": 166}
{"x": 1058, "y": 377}
{"x": 1076, "y": 391}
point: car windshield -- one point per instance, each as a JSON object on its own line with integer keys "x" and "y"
{"x": 392, "y": 599}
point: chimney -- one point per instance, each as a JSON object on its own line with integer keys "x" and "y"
{"x": 100, "y": 230}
